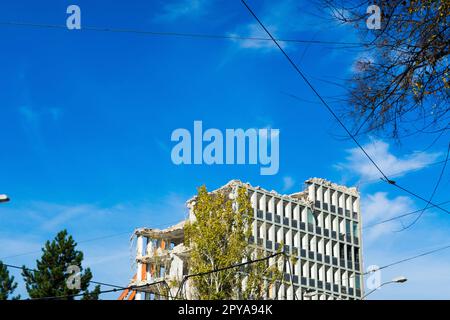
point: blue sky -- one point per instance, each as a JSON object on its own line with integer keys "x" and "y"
{"x": 86, "y": 119}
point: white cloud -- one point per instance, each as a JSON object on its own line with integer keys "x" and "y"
{"x": 52, "y": 217}
{"x": 22, "y": 246}
{"x": 65, "y": 214}
{"x": 29, "y": 114}
{"x": 288, "y": 183}
{"x": 181, "y": 8}
{"x": 55, "y": 113}
{"x": 102, "y": 232}
{"x": 358, "y": 164}
{"x": 254, "y": 30}
{"x": 377, "y": 207}
{"x": 33, "y": 120}
{"x": 284, "y": 19}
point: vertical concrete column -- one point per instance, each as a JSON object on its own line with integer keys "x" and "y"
{"x": 139, "y": 254}
{"x": 361, "y": 266}
{"x": 311, "y": 192}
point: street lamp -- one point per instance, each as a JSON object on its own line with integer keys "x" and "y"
{"x": 400, "y": 279}
{"x": 4, "y": 198}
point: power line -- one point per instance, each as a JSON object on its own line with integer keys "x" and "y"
{"x": 305, "y": 79}
{"x": 401, "y": 216}
{"x": 133, "y": 288}
{"x": 88, "y": 240}
{"x": 419, "y": 197}
{"x": 397, "y": 262}
{"x": 438, "y": 182}
{"x": 186, "y": 277}
{"x": 353, "y": 275}
{"x": 399, "y": 172}
{"x": 34, "y": 270}
{"x": 116, "y": 287}
{"x": 412, "y": 258}
{"x": 187, "y": 35}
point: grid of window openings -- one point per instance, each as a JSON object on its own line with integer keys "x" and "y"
{"x": 325, "y": 237}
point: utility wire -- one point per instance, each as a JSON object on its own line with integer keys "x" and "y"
{"x": 186, "y": 277}
{"x": 305, "y": 79}
{"x": 185, "y": 34}
{"x": 398, "y": 173}
{"x": 420, "y": 197}
{"x": 119, "y": 288}
{"x": 353, "y": 275}
{"x": 133, "y": 288}
{"x": 401, "y": 216}
{"x": 89, "y": 240}
{"x": 34, "y": 270}
{"x": 438, "y": 182}
{"x": 411, "y": 258}
{"x": 396, "y": 263}
{"x": 116, "y": 287}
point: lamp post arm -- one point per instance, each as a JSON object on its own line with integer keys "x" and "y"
{"x": 381, "y": 285}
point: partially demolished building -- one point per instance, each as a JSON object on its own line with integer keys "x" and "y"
{"x": 320, "y": 226}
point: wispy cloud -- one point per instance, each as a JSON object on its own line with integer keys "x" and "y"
{"x": 31, "y": 124}
{"x": 29, "y": 114}
{"x": 51, "y": 217}
{"x": 379, "y": 206}
{"x": 254, "y": 30}
{"x": 288, "y": 183}
{"x": 33, "y": 121}
{"x": 283, "y": 19}
{"x": 17, "y": 246}
{"x": 32, "y": 116}
{"x": 177, "y": 9}
{"x": 102, "y": 232}
{"x": 92, "y": 219}
{"x": 358, "y": 164}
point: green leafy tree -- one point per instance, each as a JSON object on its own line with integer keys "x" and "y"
{"x": 262, "y": 275}
{"x": 56, "y": 273}
{"x": 218, "y": 238}
{"x": 7, "y": 284}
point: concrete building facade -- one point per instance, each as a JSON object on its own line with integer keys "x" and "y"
{"x": 320, "y": 226}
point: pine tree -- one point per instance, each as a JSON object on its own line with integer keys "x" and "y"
{"x": 7, "y": 284}
{"x": 54, "y": 275}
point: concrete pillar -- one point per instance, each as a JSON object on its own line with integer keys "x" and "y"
{"x": 139, "y": 253}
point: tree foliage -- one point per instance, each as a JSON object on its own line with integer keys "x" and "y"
{"x": 261, "y": 275}
{"x": 401, "y": 84}
{"x": 219, "y": 237}
{"x": 54, "y": 276}
{"x": 7, "y": 284}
